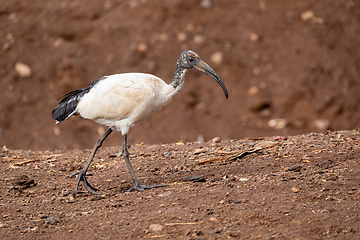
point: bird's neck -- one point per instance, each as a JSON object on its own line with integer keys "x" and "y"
{"x": 179, "y": 78}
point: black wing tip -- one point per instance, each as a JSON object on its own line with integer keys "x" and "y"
{"x": 69, "y": 102}
{"x": 67, "y": 105}
{"x": 59, "y": 113}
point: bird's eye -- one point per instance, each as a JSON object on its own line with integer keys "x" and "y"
{"x": 191, "y": 60}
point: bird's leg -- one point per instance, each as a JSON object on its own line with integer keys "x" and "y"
{"x": 136, "y": 186}
{"x": 83, "y": 171}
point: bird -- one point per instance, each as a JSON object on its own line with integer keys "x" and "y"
{"x": 121, "y": 100}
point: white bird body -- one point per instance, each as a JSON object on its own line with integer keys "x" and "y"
{"x": 122, "y": 100}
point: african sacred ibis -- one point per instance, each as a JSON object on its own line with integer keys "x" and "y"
{"x": 121, "y": 100}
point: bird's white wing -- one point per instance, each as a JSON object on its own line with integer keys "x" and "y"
{"x": 122, "y": 96}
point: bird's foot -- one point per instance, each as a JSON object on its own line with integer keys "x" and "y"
{"x": 87, "y": 185}
{"x": 143, "y": 187}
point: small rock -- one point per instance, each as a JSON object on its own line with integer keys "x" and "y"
{"x": 265, "y": 112}
{"x": 253, "y": 90}
{"x": 195, "y": 178}
{"x": 321, "y": 124}
{"x": 24, "y": 181}
{"x": 254, "y": 37}
{"x": 295, "y": 168}
{"x": 201, "y": 138}
{"x": 100, "y": 131}
{"x": 155, "y": 227}
{"x": 262, "y": 5}
{"x": 243, "y": 179}
{"x": 23, "y": 70}
{"x": 199, "y": 39}
{"x": 57, "y": 131}
{"x": 70, "y": 199}
{"x": 256, "y": 71}
{"x": 50, "y": 220}
{"x": 307, "y": 15}
{"x": 97, "y": 198}
{"x": 233, "y": 234}
{"x": 217, "y": 58}
{"x": 206, "y": 4}
{"x": 164, "y": 195}
{"x": 325, "y": 164}
{"x": 57, "y": 43}
{"x": 3, "y": 225}
{"x": 182, "y": 37}
{"x": 295, "y": 189}
{"x": 143, "y": 48}
{"x": 66, "y": 193}
{"x": 200, "y": 150}
{"x": 277, "y": 123}
{"x": 216, "y": 140}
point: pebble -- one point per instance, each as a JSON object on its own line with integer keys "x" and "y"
{"x": 155, "y": 227}
{"x": 206, "y": 4}
{"x": 200, "y": 150}
{"x": 51, "y": 220}
{"x": 277, "y": 123}
{"x": 254, "y": 37}
{"x": 321, "y": 124}
{"x": 262, "y": 5}
{"x": 253, "y": 90}
{"x": 243, "y": 179}
{"x": 217, "y": 58}
{"x": 57, "y": 43}
{"x": 199, "y": 39}
{"x": 295, "y": 168}
{"x": 201, "y": 138}
{"x": 256, "y": 71}
{"x": 216, "y": 140}
{"x": 70, "y": 199}
{"x": 23, "y": 70}
{"x": 307, "y": 15}
{"x": 143, "y": 48}
{"x": 295, "y": 189}
{"x": 3, "y": 225}
{"x": 182, "y": 37}
{"x": 195, "y": 178}
{"x": 57, "y": 131}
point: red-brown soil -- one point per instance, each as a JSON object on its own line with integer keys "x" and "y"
{"x": 302, "y": 187}
{"x": 297, "y": 61}
{"x": 280, "y": 59}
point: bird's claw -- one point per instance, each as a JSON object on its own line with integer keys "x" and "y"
{"x": 143, "y": 187}
{"x": 87, "y": 185}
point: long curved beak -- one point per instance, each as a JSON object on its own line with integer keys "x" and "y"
{"x": 205, "y": 68}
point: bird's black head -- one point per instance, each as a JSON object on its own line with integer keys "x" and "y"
{"x": 189, "y": 59}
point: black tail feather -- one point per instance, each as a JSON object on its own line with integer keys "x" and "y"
{"x": 69, "y": 101}
{"x": 67, "y": 105}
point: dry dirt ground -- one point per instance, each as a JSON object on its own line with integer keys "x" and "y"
{"x": 299, "y": 187}
{"x": 295, "y": 60}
